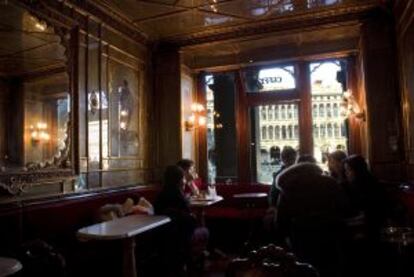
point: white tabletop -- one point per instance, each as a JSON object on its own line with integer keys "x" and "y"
{"x": 123, "y": 227}
{"x": 250, "y": 195}
{"x": 9, "y": 266}
{"x": 200, "y": 202}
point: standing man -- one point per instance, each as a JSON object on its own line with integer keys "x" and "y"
{"x": 288, "y": 157}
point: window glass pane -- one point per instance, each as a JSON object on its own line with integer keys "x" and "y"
{"x": 221, "y": 127}
{"x": 328, "y": 134}
{"x": 276, "y": 133}
{"x": 270, "y": 79}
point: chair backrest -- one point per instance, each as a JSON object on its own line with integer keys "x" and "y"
{"x": 270, "y": 261}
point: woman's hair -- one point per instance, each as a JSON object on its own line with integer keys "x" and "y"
{"x": 173, "y": 176}
{"x": 358, "y": 165}
{"x": 185, "y": 164}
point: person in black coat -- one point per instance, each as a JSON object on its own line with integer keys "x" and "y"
{"x": 310, "y": 212}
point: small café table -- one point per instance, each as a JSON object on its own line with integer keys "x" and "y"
{"x": 9, "y": 266}
{"x": 250, "y": 195}
{"x": 124, "y": 228}
{"x": 199, "y": 204}
{"x": 249, "y": 201}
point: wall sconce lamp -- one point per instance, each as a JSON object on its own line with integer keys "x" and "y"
{"x": 350, "y": 107}
{"x": 39, "y": 133}
{"x": 196, "y": 119}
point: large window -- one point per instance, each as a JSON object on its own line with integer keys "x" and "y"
{"x": 278, "y": 134}
{"x": 326, "y": 98}
{"x": 263, "y": 110}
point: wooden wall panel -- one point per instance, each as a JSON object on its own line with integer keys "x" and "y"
{"x": 404, "y": 12}
{"x": 167, "y": 100}
{"x": 382, "y": 97}
{"x": 357, "y": 128}
{"x": 4, "y": 104}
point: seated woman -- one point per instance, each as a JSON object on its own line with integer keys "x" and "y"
{"x": 171, "y": 202}
{"x": 191, "y": 177}
{"x": 366, "y": 194}
{"x": 336, "y": 165}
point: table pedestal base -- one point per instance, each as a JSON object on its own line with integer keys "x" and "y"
{"x": 129, "y": 265}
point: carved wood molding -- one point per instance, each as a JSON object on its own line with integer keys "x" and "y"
{"x": 16, "y": 184}
{"x": 295, "y": 21}
{"x": 70, "y": 13}
{"x": 110, "y": 17}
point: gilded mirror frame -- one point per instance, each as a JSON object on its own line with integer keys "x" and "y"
{"x": 65, "y": 165}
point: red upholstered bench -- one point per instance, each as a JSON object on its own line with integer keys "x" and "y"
{"x": 56, "y": 219}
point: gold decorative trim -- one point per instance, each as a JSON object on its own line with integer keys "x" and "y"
{"x": 288, "y": 22}
{"x": 109, "y": 16}
{"x": 16, "y": 184}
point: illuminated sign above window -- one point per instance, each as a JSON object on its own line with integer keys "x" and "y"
{"x": 270, "y": 79}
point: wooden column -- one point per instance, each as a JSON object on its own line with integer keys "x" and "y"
{"x": 305, "y": 108}
{"x": 355, "y": 126}
{"x": 243, "y": 134}
{"x": 382, "y": 97}
{"x": 167, "y": 90}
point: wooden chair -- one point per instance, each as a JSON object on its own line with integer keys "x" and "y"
{"x": 269, "y": 261}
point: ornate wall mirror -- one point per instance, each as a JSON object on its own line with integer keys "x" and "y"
{"x": 35, "y": 99}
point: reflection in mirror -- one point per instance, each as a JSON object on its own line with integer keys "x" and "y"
{"x": 34, "y": 93}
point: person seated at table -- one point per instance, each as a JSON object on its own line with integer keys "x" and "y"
{"x": 191, "y": 177}
{"x": 366, "y": 194}
{"x": 336, "y": 165}
{"x": 310, "y": 214}
{"x": 172, "y": 202}
{"x": 368, "y": 197}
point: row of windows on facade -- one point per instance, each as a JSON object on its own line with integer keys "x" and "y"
{"x": 292, "y": 132}
{"x": 282, "y": 111}
{"x": 291, "y": 111}
{"x": 280, "y": 132}
{"x": 330, "y": 98}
